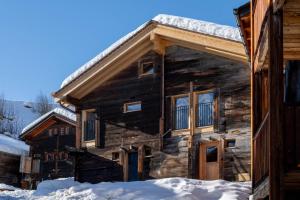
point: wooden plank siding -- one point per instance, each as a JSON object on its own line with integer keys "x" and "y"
{"x": 56, "y": 165}
{"x": 9, "y": 169}
{"x": 140, "y": 129}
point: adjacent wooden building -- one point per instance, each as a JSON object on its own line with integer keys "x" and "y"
{"x": 171, "y": 98}
{"x": 271, "y": 32}
{"x": 49, "y": 137}
{"x": 11, "y": 151}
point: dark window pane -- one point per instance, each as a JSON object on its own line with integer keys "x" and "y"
{"x": 89, "y": 126}
{"x": 205, "y": 110}
{"x": 212, "y": 154}
{"x": 147, "y": 68}
{"x": 231, "y": 143}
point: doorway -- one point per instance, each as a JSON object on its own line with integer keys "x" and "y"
{"x": 210, "y": 160}
{"x": 133, "y": 166}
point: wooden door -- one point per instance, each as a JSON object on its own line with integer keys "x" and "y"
{"x": 133, "y": 166}
{"x": 210, "y": 160}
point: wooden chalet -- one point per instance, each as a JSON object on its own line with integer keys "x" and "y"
{"x": 48, "y": 137}
{"x": 171, "y": 98}
{"x": 271, "y": 32}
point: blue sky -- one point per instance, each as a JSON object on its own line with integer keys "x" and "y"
{"x": 42, "y": 42}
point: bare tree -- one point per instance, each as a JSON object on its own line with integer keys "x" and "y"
{"x": 9, "y": 120}
{"x": 43, "y": 104}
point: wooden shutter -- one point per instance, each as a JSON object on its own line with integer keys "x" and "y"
{"x": 25, "y": 164}
{"x": 97, "y": 133}
{"x": 36, "y": 166}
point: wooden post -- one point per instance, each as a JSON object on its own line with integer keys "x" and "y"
{"x": 276, "y": 104}
{"x": 162, "y": 92}
{"x": 192, "y": 116}
{"x": 78, "y": 129}
{"x": 141, "y": 155}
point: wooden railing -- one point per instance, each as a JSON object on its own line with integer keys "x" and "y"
{"x": 260, "y": 9}
{"x": 261, "y": 142}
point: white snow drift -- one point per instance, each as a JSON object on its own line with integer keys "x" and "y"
{"x": 167, "y": 189}
{"x": 189, "y": 24}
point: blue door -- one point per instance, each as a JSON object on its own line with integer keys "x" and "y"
{"x": 133, "y": 166}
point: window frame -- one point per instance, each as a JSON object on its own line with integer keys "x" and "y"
{"x": 125, "y": 106}
{"x": 196, "y": 97}
{"x": 141, "y": 69}
{"x": 173, "y": 104}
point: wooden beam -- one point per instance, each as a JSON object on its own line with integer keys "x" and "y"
{"x": 277, "y": 5}
{"x": 276, "y": 105}
{"x": 220, "y": 46}
{"x": 162, "y": 95}
{"x": 78, "y": 129}
{"x": 40, "y": 128}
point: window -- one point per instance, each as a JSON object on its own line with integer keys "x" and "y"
{"x": 205, "y": 109}
{"x": 50, "y": 132}
{"x": 132, "y": 107}
{"x": 212, "y": 154}
{"x": 115, "y": 156}
{"x": 67, "y": 131}
{"x": 230, "y": 143}
{"x": 54, "y": 131}
{"x": 62, "y": 131}
{"x": 89, "y": 125}
{"x": 146, "y": 68}
{"x": 181, "y": 112}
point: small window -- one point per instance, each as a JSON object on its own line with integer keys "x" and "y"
{"x": 55, "y": 131}
{"x": 212, "y": 154}
{"x": 132, "y": 107}
{"x": 230, "y": 143}
{"x": 67, "y": 131}
{"x": 146, "y": 68}
{"x": 50, "y": 132}
{"x": 62, "y": 131}
{"x": 115, "y": 156}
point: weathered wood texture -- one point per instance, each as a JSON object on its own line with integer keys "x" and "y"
{"x": 58, "y": 163}
{"x": 95, "y": 169}
{"x": 9, "y": 169}
{"x": 182, "y": 66}
{"x": 208, "y": 72}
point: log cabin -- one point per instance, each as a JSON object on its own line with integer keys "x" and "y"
{"x": 11, "y": 151}
{"x": 271, "y": 34}
{"x": 171, "y": 98}
{"x": 49, "y": 136}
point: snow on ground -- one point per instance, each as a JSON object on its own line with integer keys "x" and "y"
{"x": 12, "y": 145}
{"x": 189, "y": 24}
{"x": 167, "y": 189}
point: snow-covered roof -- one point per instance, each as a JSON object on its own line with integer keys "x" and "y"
{"x": 189, "y": 24}
{"x": 12, "y": 145}
{"x": 60, "y": 111}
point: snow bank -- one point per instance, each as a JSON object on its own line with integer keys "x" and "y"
{"x": 12, "y": 145}
{"x": 166, "y": 189}
{"x": 59, "y": 111}
{"x": 6, "y": 187}
{"x": 189, "y": 24}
